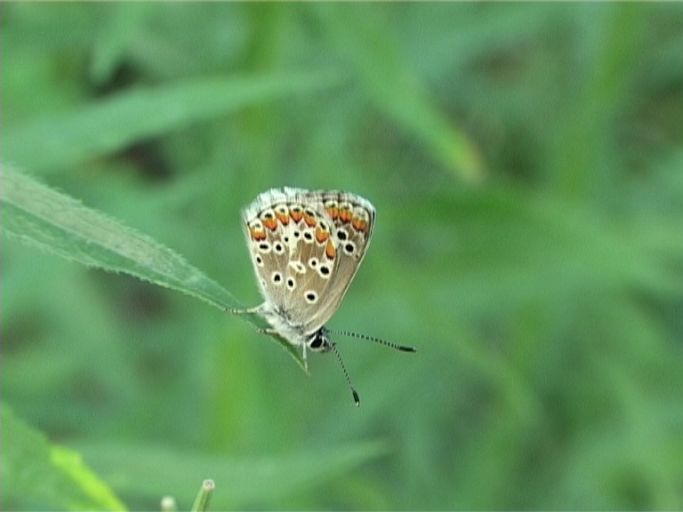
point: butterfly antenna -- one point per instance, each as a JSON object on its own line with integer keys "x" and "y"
{"x": 402, "y": 348}
{"x": 356, "y": 398}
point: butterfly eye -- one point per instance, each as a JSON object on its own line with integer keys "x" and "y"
{"x": 311, "y": 297}
{"x": 276, "y": 278}
{"x": 316, "y": 342}
{"x": 349, "y": 248}
{"x": 342, "y": 234}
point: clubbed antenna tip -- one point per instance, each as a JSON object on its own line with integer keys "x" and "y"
{"x": 356, "y": 398}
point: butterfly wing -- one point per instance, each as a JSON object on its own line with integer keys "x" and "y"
{"x": 306, "y": 248}
{"x": 353, "y": 219}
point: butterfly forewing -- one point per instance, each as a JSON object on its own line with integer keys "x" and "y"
{"x": 353, "y": 220}
{"x": 306, "y": 248}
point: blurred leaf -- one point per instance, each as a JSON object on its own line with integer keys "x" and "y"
{"x": 478, "y": 31}
{"x": 168, "y": 504}
{"x": 361, "y": 36}
{"x": 46, "y": 476}
{"x": 546, "y": 303}
{"x": 44, "y": 218}
{"x": 609, "y": 50}
{"x": 125, "y": 22}
{"x": 511, "y": 245}
{"x": 145, "y": 473}
{"x": 66, "y": 139}
{"x": 201, "y": 502}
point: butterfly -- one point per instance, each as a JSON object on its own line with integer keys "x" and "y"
{"x": 306, "y": 247}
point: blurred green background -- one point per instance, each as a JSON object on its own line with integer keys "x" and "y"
{"x": 526, "y": 163}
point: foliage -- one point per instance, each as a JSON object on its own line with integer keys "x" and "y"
{"x": 35, "y": 472}
{"x": 525, "y": 161}
{"x": 203, "y": 498}
{"x": 51, "y": 221}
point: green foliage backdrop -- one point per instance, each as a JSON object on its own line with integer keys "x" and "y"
{"x": 526, "y": 162}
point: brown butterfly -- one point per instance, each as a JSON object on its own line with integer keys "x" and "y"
{"x": 306, "y": 248}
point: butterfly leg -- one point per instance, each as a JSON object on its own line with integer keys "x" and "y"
{"x": 268, "y": 331}
{"x": 246, "y": 311}
{"x": 303, "y": 353}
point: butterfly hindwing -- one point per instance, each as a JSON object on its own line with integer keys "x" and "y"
{"x": 306, "y": 248}
{"x": 353, "y": 219}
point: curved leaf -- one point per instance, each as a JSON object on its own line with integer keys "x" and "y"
{"x": 145, "y": 112}
{"x": 48, "y": 476}
{"x": 57, "y": 223}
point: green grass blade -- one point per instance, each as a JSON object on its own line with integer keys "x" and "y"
{"x": 615, "y": 34}
{"x": 35, "y": 472}
{"x": 59, "y": 224}
{"x": 357, "y": 31}
{"x": 244, "y": 481}
{"x": 201, "y": 502}
{"x": 49, "y": 220}
{"x": 109, "y": 125}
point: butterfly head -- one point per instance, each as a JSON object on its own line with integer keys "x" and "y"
{"x": 319, "y": 341}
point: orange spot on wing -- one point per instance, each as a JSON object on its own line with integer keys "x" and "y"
{"x": 309, "y": 220}
{"x": 333, "y": 212}
{"x": 296, "y": 215}
{"x": 321, "y": 236}
{"x": 257, "y": 234}
{"x": 270, "y": 224}
{"x": 282, "y": 217}
{"x": 330, "y": 250}
{"x": 359, "y": 224}
{"x": 345, "y": 215}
